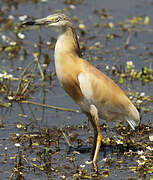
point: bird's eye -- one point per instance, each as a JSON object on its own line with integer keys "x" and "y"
{"x": 47, "y": 22}
{"x": 57, "y": 20}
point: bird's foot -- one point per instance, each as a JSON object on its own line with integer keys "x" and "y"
{"x": 95, "y": 166}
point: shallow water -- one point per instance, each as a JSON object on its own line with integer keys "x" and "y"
{"x": 104, "y": 45}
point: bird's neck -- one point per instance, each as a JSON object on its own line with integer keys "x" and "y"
{"x": 67, "y": 43}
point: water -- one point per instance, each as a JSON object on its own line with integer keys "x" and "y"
{"x": 33, "y": 118}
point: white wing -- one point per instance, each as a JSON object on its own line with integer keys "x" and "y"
{"x": 85, "y": 86}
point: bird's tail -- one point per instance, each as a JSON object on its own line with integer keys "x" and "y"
{"x": 133, "y": 117}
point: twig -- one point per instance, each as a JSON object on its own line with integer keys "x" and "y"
{"x": 50, "y": 106}
{"x": 40, "y": 69}
{"x": 21, "y": 77}
{"x": 127, "y": 40}
{"x": 66, "y": 138}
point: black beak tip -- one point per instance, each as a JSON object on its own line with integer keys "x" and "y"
{"x": 28, "y": 23}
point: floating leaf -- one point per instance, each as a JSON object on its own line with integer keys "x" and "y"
{"x": 146, "y": 20}
{"x": 111, "y": 25}
{"x": 13, "y": 157}
{"x": 35, "y": 144}
{"x": 121, "y": 81}
{"x": 5, "y": 104}
{"x": 34, "y": 159}
{"x": 38, "y": 166}
{"x": 133, "y": 168}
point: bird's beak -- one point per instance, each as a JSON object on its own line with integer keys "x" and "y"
{"x": 43, "y": 21}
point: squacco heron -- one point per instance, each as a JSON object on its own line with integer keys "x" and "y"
{"x": 95, "y": 93}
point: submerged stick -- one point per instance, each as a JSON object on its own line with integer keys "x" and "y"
{"x": 50, "y": 106}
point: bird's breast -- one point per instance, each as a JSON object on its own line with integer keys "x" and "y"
{"x": 67, "y": 75}
{"x": 58, "y": 67}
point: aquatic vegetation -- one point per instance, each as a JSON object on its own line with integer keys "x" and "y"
{"x": 33, "y": 144}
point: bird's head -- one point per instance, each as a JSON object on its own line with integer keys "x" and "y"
{"x": 61, "y": 23}
{"x": 55, "y": 20}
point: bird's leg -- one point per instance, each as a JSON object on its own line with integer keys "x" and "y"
{"x": 97, "y": 134}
